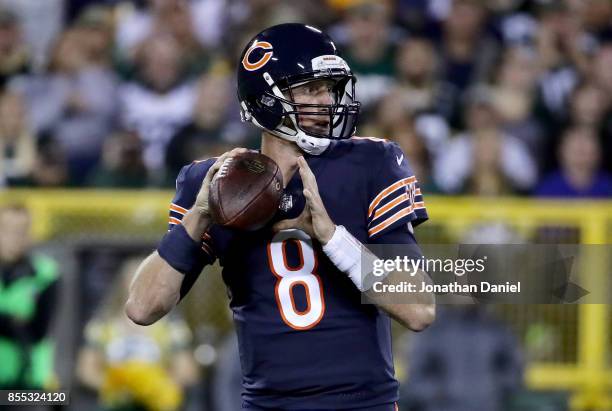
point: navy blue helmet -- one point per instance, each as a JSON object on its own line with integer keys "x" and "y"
{"x": 283, "y": 57}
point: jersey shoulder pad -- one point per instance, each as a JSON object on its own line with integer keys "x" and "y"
{"x": 188, "y": 184}
{"x": 366, "y": 142}
{"x": 193, "y": 173}
{"x": 364, "y": 146}
{"x": 377, "y": 149}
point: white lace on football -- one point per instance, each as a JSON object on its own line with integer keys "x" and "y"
{"x": 224, "y": 167}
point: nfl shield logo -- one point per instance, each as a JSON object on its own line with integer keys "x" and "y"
{"x": 286, "y": 203}
{"x": 411, "y": 192}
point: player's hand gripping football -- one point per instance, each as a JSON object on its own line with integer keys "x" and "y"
{"x": 314, "y": 220}
{"x": 201, "y": 204}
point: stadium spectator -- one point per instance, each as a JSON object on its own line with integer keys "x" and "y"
{"x": 122, "y": 165}
{"x": 74, "y": 103}
{"x": 560, "y": 60}
{"x": 50, "y": 168}
{"x": 17, "y": 144}
{"x": 420, "y": 17}
{"x": 125, "y": 363}
{"x": 468, "y": 360}
{"x": 484, "y": 160}
{"x": 27, "y": 305}
{"x": 594, "y": 18}
{"x": 95, "y": 28}
{"x": 396, "y": 121}
{"x": 588, "y": 105}
{"x": 195, "y": 24}
{"x": 247, "y": 17}
{"x": 215, "y": 127}
{"x": 513, "y": 23}
{"x": 416, "y": 152}
{"x": 601, "y": 72}
{"x": 14, "y": 55}
{"x": 369, "y": 43}
{"x": 467, "y": 50}
{"x": 417, "y": 69}
{"x": 160, "y": 101}
{"x": 40, "y": 23}
{"x": 553, "y": 71}
{"x": 602, "y": 76}
{"x": 580, "y": 173}
{"x": 514, "y": 97}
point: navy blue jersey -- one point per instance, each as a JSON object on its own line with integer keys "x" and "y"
{"x": 306, "y": 341}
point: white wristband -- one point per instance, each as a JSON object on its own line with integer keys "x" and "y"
{"x": 346, "y": 252}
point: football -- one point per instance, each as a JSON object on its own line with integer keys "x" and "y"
{"x": 246, "y": 191}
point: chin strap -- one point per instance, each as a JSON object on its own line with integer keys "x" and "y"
{"x": 311, "y": 145}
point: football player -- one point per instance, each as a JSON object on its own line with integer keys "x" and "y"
{"x": 306, "y": 340}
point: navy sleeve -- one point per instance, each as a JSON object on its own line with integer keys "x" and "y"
{"x": 188, "y": 184}
{"x": 395, "y": 198}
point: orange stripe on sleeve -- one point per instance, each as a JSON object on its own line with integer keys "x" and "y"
{"x": 402, "y": 213}
{"x": 174, "y": 220}
{"x": 178, "y": 209}
{"x": 384, "y": 193}
{"x": 391, "y": 204}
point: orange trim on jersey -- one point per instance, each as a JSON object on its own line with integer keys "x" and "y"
{"x": 302, "y": 283}
{"x": 385, "y": 192}
{"x": 402, "y": 213}
{"x": 178, "y": 209}
{"x": 277, "y": 298}
{"x": 174, "y": 220}
{"x": 391, "y": 204}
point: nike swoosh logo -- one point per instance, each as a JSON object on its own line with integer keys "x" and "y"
{"x": 399, "y": 159}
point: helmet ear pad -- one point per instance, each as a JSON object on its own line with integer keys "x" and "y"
{"x": 268, "y": 111}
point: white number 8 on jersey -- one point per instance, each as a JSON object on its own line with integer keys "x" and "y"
{"x": 288, "y": 277}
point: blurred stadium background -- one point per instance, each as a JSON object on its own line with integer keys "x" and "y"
{"x": 504, "y": 108}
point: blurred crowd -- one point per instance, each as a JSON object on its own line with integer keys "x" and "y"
{"x": 486, "y": 97}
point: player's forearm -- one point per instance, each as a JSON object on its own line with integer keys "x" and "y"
{"x": 196, "y": 224}
{"x": 154, "y": 291}
{"x": 349, "y": 255}
{"x": 416, "y": 314}
{"x": 156, "y": 288}
{"x": 416, "y": 317}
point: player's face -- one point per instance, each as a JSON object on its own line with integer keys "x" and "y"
{"x": 314, "y": 92}
{"x": 15, "y": 234}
